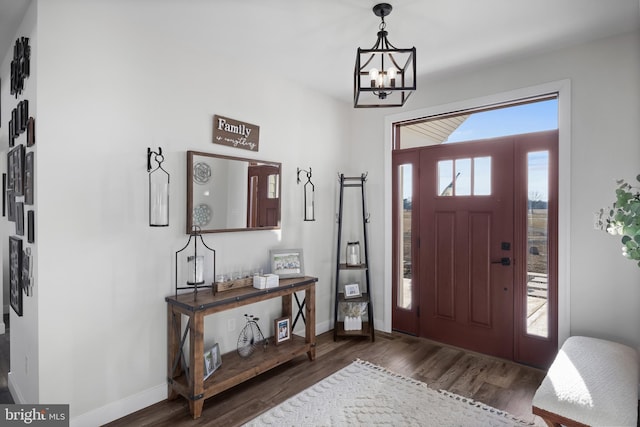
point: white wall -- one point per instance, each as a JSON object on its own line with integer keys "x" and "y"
{"x": 24, "y": 352}
{"x": 113, "y": 79}
{"x": 605, "y": 146}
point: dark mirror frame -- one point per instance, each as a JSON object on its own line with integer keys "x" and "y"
{"x": 245, "y": 189}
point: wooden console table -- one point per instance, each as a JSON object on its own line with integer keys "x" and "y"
{"x": 187, "y": 379}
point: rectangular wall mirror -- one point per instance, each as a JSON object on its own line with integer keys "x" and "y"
{"x": 232, "y": 193}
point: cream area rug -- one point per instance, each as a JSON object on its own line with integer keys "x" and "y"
{"x": 363, "y": 394}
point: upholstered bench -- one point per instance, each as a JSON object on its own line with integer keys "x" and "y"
{"x": 592, "y": 382}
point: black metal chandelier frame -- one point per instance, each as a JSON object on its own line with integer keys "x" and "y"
{"x": 392, "y": 83}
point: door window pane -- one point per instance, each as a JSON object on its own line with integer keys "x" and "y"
{"x": 537, "y": 243}
{"x": 463, "y": 177}
{"x": 482, "y": 176}
{"x": 445, "y": 177}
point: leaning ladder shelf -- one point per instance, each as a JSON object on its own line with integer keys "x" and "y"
{"x": 340, "y": 299}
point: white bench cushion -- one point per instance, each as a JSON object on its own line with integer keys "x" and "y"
{"x": 592, "y": 381}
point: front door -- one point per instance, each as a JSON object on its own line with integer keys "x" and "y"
{"x": 467, "y": 199}
{"x": 463, "y": 275}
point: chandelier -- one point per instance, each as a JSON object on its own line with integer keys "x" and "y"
{"x": 384, "y": 75}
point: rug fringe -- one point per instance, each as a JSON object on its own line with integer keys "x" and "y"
{"x": 447, "y": 393}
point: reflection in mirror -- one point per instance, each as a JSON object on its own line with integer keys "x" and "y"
{"x": 231, "y": 193}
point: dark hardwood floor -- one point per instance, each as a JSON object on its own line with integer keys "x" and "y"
{"x": 502, "y": 384}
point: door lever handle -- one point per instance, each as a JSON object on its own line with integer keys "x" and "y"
{"x": 506, "y": 261}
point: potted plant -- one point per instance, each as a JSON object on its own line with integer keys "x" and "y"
{"x": 623, "y": 218}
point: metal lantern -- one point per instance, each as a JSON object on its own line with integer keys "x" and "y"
{"x": 195, "y": 264}
{"x": 158, "y": 191}
{"x": 353, "y": 253}
{"x": 384, "y": 75}
{"x": 309, "y": 196}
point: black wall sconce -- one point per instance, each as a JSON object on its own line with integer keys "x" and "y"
{"x": 309, "y": 195}
{"x": 158, "y": 190}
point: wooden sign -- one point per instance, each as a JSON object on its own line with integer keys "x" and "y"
{"x": 234, "y": 133}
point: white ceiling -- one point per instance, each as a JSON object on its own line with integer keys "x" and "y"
{"x": 315, "y": 41}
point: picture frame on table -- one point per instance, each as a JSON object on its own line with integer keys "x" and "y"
{"x": 15, "y": 274}
{"x": 352, "y": 290}
{"x": 282, "y": 329}
{"x": 287, "y": 262}
{"x": 212, "y": 360}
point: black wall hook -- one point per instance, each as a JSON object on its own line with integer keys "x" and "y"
{"x": 158, "y": 157}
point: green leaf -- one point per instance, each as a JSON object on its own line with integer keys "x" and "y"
{"x": 625, "y": 239}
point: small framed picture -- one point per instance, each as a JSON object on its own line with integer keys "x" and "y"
{"x": 282, "y": 329}
{"x": 17, "y": 161}
{"x": 31, "y": 131}
{"x": 287, "y": 262}
{"x": 31, "y": 227}
{"x": 28, "y": 178}
{"x": 11, "y": 205}
{"x": 352, "y": 290}
{"x": 212, "y": 360}
{"x": 20, "y": 218}
{"x": 15, "y": 274}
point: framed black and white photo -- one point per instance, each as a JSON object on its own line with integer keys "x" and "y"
{"x": 31, "y": 227}
{"x": 11, "y": 205}
{"x": 287, "y": 262}
{"x": 352, "y": 290}
{"x": 20, "y": 218}
{"x": 31, "y": 131}
{"x": 282, "y": 329}
{"x": 10, "y": 174}
{"x": 28, "y": 178}
{"x": 17, "y": 161}
{"x": 212, "y": 360}
{"x": 26, "y": 272}
{"x": 15, "y": 274}
{"x": 4, "y": 194}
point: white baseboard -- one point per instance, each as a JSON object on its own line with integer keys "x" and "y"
{"x": 120, "y": 408}
{"x": 16, "y": 394}
{"x": 322, "y": 327}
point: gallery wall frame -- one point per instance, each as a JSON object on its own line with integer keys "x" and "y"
{"x": 15, "y": 169}
{"x": 11, "y": 205}
{"x": 31, "y": 132}
{"x": 4, "y": 194}
{"x": 27, "y": 283}
{"x": 31, "y": 227}
{"x": 15, "y": 274}
{"x": 20, "y": 218}
{"x": 28, "y": 178}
